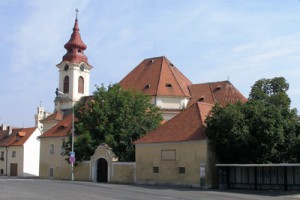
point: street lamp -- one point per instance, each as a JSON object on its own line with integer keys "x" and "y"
{"x": 72, "y": 154}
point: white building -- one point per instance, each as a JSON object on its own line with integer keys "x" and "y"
{"x": 19, "y": 151}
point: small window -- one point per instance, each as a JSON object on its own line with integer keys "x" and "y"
{"x": 2, "y": 155}
{"x": 66, "y": 85}
{"x": 80, "y": 84}
{"x": 201, "y": 99}
{"x": 168, "y": 85}
{"x": 51, "y": 148}
{"x": 51, "y": 173}
{"x": 181, "y": 170}
{"x": 147, "y": 86}
{"x": 2, "y": 171}
{"x": 14, "y": 154}
{"x": 155, "y": 170}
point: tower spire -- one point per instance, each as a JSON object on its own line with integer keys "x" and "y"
{"x": 75, "y": 46}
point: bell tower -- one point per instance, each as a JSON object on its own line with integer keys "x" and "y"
{"x": 74, "y": 72}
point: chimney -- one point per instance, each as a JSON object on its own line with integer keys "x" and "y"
{"x": 3, "y": 127}
{"x": 9, "y": 130}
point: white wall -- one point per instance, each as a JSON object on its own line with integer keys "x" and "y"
{"x": 171, "y": 102}
{"x": 32, "y": 155}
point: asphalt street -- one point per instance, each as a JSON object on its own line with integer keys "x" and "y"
{"x": 37, "y": 189}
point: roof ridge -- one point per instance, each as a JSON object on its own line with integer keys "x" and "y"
{"x": 160, "y": 72}
{"x": 172, "y": 71}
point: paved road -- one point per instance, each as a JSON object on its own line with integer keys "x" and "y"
{"x": 36, "y": 189}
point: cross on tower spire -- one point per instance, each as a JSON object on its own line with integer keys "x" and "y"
{"x": 76, "y": 12}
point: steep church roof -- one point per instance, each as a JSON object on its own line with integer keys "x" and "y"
{"x": 222, "y": 92}
{"x": 186, "y": 126}
{"x": 157, "y": 77}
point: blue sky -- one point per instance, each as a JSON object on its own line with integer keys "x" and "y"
{"x": 207, "y": 40}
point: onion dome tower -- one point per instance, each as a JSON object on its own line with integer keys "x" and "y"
{"x": 74, "y": 72}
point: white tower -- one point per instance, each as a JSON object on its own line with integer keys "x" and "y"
{"x": 74, "y": 72}
{"x": 40, "y": 115}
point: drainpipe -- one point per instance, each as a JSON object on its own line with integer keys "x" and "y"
{"x": 6, "y": 159}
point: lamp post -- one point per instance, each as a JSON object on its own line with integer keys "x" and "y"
{"x": 72, "y": 154}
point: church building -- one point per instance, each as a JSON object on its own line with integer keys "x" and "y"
{"x": 175, "y": 153}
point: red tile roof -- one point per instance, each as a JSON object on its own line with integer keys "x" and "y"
{"x": 187, "y": 125}
{"x": 56, "y": 116}
{"x": 222, "y": 92}
{"x": 61, "y": 129}
{"x": 18, "y": 137}
{"x": 157, "y": 77}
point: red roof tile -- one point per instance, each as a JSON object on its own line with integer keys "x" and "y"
{"x": 18, "y": 137}
{"x": 56, "y": 116}
{"x": 61, "y": 129}
{"x": 222, "y": 92}
{"x": 157, "y": 77}
{"x": 187, "y": 125}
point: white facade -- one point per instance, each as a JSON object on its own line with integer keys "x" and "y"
{"x": 170, "y": 106}
{"x": 32, "y": 155}
{"x": 21, "y": 161}
{"x": 74, "y": 71}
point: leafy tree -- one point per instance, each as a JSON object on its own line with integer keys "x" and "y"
{"x": 116, "y": 117}
{"x": 271, "y": 91}
{"x": 228, "y": 132}
{"x": 265, "y": 129}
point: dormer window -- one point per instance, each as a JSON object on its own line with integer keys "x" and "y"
{"x": 218, "y": 87}
{"x": 201, "y": 99}
{"x": 147, "y": 86}
{"x": 169, "y": 85}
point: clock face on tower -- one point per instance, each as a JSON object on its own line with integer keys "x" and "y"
{"x": 81, "y": 67}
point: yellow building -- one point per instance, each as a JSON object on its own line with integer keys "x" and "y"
{"x": 177, "y": 153}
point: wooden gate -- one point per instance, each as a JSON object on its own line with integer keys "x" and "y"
{"x": 13, "y": 169}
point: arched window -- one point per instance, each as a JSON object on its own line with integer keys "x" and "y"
{"x": 80, "y": 84}
{"x": 66, "y": 84}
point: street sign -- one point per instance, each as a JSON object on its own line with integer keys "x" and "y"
{"x": 72, "y": 159}
{"x": 72, "y": 154}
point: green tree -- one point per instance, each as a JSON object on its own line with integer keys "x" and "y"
{"x": 116, "y": 117}
{"x": 228, "y": 133}
{"x": 264, "y": 128}
{"x": 271, "y": 92}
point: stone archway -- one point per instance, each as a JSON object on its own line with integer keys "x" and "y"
{"x": 102, "y": 170}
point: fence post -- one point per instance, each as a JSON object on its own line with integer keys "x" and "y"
{"x": 285, "y": 178}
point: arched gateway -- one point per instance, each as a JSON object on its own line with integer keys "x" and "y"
{"x": 101, "y": 164}
{"x": 102, "y": 170}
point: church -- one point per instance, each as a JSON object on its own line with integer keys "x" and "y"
{"x": 176, "y": 153}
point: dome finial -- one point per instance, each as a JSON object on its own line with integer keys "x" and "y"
{"x": 76, "y": 13}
